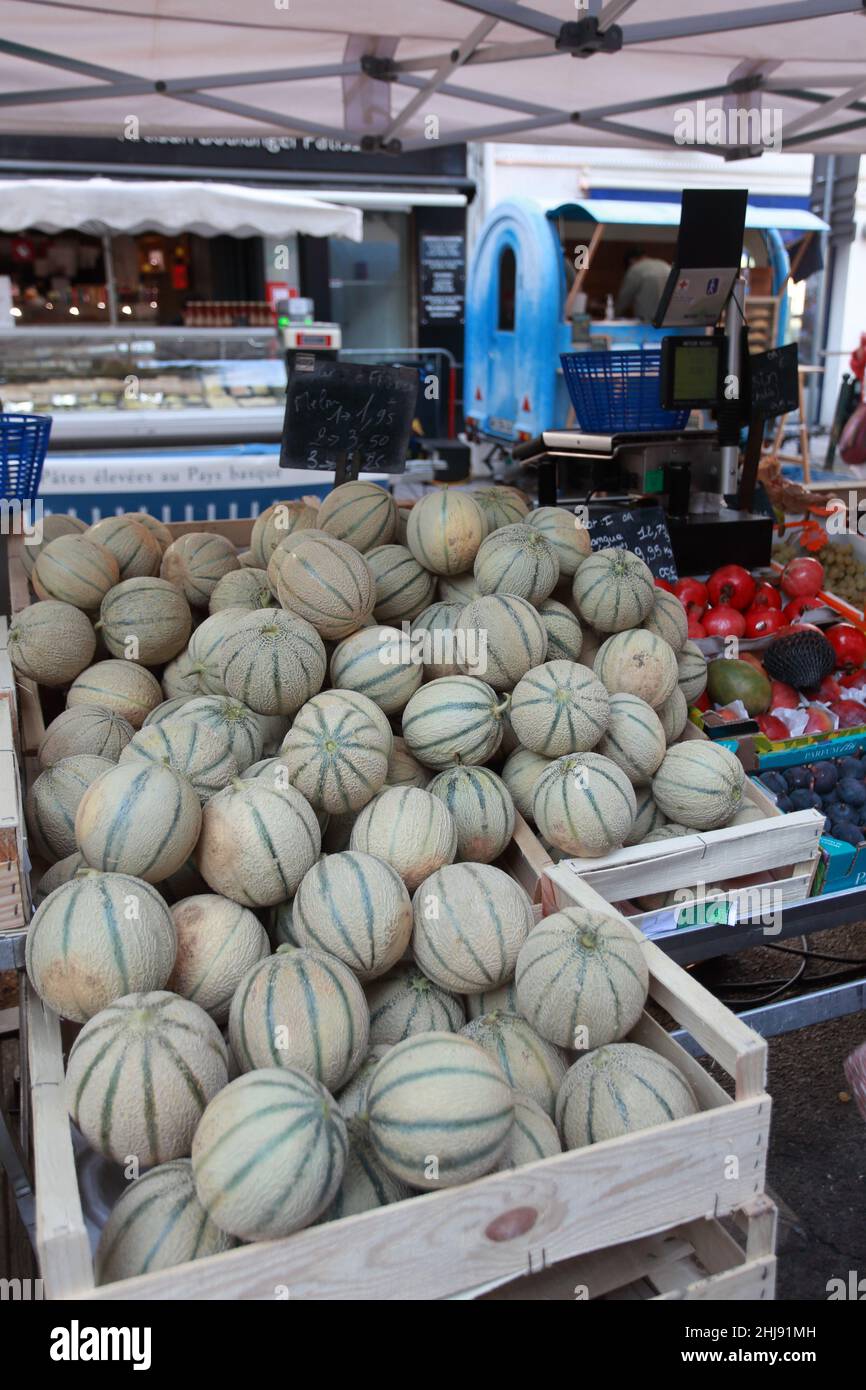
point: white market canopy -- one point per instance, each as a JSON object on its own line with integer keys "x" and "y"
{"x": 602, "y": 72}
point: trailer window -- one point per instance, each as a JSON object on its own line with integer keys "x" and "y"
{"x": 507, "y": 286}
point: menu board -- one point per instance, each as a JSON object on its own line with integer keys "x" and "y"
{"x": 643, "y": 530}
{"x": 442, "y": 263}
{"x": 341, "y": 413}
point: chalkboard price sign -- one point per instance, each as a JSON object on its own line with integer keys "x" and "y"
{"x": 343, "y": 416}
{"x": 643, "y": 530}
{"x": 773, "y": 382}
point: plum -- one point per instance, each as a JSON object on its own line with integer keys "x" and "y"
{"x": 799, "y": 776}
{"x": 853, "y": 791}
{"x": 852, "y": 767}
{"x": 826, "y": 778}
{"x": 784, "y": 804}
{"x": 775, "y": 783}
{"x": 847, "y": 830}
{"x": 804, "y": 800}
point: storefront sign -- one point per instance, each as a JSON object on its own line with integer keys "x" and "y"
{"x": 442, "y": 269}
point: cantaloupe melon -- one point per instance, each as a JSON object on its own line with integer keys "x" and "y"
{"x": 668, "y": 619}
{"x": 558, "y": 708}
{"x": 746, "y": 815}
{"x": 325, "y": 581}
{"x": 669, "y": 831}
{"x": 471, "y": 921}
{"x": 404, "y": 769}
{"x": 564, "y": 633}
{"x": 257, "y": 842}
{"x": 440, "y": 1111}
{"x": 406, "y": 1001}
{"x": 244, "y": 588}
{"x": 648, "y": 817}
{"x": 200, "y": 754}
{"x": 269, "y": 1154}
{"x": 691, "y": 671}
{"x": 584, "y": 805}
{"x": 457, "y": 719}
{"x": 403, "y": 587}
{"x": 613, "y": 590}
{"x": 533, "y": 1136}
{"x": 582, "y": 980}
{"x": 217, "y": 943}
{"x": 272, "y": 661}
{"x": 500, "y": 638}
{"x": 520, "y": 773}
{"x": 281, "y": 924}
{"x": 411, "y": 830}
{"x": 517, "y": 560}
{"x": 362, "y": 514}
{"x": 53, "y": 525}
{"x": 138, "y": 818}
{"x": 59, "y": 873}
{"x": 181, "y": 677}
{"x": 96, "y": 938}
{"x": 157, "y": 1223}
{"x": 502, "y": 506}
{"x": 617, "y": 1090}
{"x": 635, "y": 738}
{"x": 301, "y": 1008}
{"x": 123, "y": 687}
{"x": 243, "y": 726}
{"x": 531, "y": 1065}
{"x": 53, "y": 800}
{"x": 434, "y": 639}
{"x": 504, "y": 998}
{"x": 275, "y": 524}
{"x": 196, "y": 563}
{"x": 167, "y": 710}
{"x": 135, "y": 547}
{"x": 74, "y": 569}
{"x": 482, "y": 809}
{"x": 205, "y": 650}
{"x": 590, "y": 646}
{"x": 444, "y": 531}
{"x": 84, "y": 729}
{"x": 377, "y": 662}
{"x": 51, "y": 643}
{"x": 355, "y": 907}
{"x": 366, "y": 1184}
{"x": 352, "y": 1098}
{"x": 146, "y": 620}
{"x": 674, "y": 715}
{"x": 458, "y": 588}
{"x": 155, "y": 527}
{"x": 699, "y": 784}
{"x": 335, "y": 754}
{"x": 637, "y": 663}
{"x": 569, "y": 538}
{"x": 140, "y": 1074}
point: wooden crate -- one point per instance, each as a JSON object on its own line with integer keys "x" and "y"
{"x": 14, "y": 865}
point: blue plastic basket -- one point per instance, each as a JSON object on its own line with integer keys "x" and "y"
{"x": 23, "y": 445}
{"x": 616, "y": 391}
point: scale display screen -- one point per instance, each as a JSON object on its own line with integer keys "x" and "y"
{"x": 691, "y": 373}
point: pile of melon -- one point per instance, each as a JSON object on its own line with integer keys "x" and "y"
{"x": 271, "y": 814}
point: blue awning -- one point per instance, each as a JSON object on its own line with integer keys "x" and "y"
{"x": 616, "y": 211}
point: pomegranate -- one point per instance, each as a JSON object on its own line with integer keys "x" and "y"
{"x": 731, "y": 587}
{"x": 724, "y": 622}
{"x": 819, "y": 720}
{"x": 767, "y": 596}
{"x": 803, "y": 577}
{"x": 772, "y": 727}
{"x": 849, "y": 644}
{"x": 852, "y": 680}
{"x": 693, "y": 595}
{"x": 702, "y": 702}
{"x": 696, "y": 629}
{"x": 850, "y": 713}
{"x": 783, "y": 696}
{"x": 796, "y": 608}
{"x": 760, "y": 622}
{"x": 828, "y": 690}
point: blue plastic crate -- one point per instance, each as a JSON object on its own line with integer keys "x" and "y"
{"x": 616, "y": 391}
{"x": 23, "y": 445}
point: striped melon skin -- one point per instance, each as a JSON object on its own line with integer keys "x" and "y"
{"x": 433, "y": 639}
{"x": 96, "y": 938}
{"x": 281, "y": 926}
{"x": 141, "y": 1073}
{"x": 157, "y": 1223}
{"x": 53, "y": 800}
{"x": 123, "y": 687}
{"x": 582, "y": 979}
{"x": 167, "y": 710}
{"x": 243, "y": 588}
{"x": 181, "y": 677}
{"x": 568, "y": 537}
{"x": 517, "y": 560}
{"x": 691, "y": 671}
{"x": 481, "y": 808}
{"x": 635, "y": 738}
{"x": 257, "y": 842}
{"x": 217, "y": 943}
{"x": 560, "y": 707}
{"x": 269, "y": 1154}
{"x": 54, "y": 525}
{"x": 564, "y": 633}
{"x": 199, "y": 754}
{"x": 76, "y": 570}
{"x": 404, "y": 769}
{"x": 746, "y": 815}
{"x": 504, "y": 998}
{"x": 272, "y": 661}
{"x": 352, "y": 1099}
{"x": 637, "y": 663}
{"x": 502, "y": 506}
{"x": 521, "y": 772}
{"x": 445, "y": 530}
{"x": 501, "y": 638}
{"x": 408, "y": 828}
{"x": 205, "y": 649}
{"x": 674, "y": 715}
{"x": 324, "y": 581}
{"x": 356, "y": 908}
{"x": 366, "y": 1184}
{"x": 405, "y": 1002}
{"x": 440, "y": 1111}
{"x": 457, "y": 719}
{"x": 618, "y": 1090}
{"x": 531, "y": 1066}
{"x": 244, "y": 729}
{"x": 58, "y": 874}
{"x": 135, "y": 547}
{"x": 699, "y": 785}
{"x": 647, "y": 818}
{"x": 614, "y": 590}
{"x": 458, "y": 588}
{"x": 274, "y": 772}
{"x": 51, "y": 643}
{"x": 533, "y": 1136}
{"x": 364, "y": 515}
{"x": 301, "y": 1008}
{"x": 196, "y": 563}
{"x": 669, "y": 831}
{"x": 151, "y": 611}
{"x": 155, "y": 527}
{"x": 335, "y": 755}
{"x": 138, "y": 818}
{"x": 403, "y": 587}
{"x": 510, "y": 741}
{"x": 377, "y": 662}
{"x": 668, "y": 620}
{"x": 584, "y": 805}
{"x": 275, "y": 524}
{"x": 371, "y": 709}
{"x": 471, "y": 921}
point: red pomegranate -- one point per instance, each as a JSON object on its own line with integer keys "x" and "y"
{"x": 767, "y": 596}
{"x": 731, "y": 587}
{"x": 760, "y": 622}
{"x": 828, "y": 690}
{"x": 783, "y": 696}
{"x": 693, "y": 595}
{"x": 803, "y": 577}
{"x": 852, "y": 680}
{"x": 849, "y": 644}
{"x": 850, "y": 713}
{"x": 696, "y": 629}
{"x": 724, "y": 622}
{"x": 796, "y": 608}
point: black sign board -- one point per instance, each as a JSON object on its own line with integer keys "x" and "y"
{"x": 442, "y": 268}
{"x": 643, "y": 530}
{"x": 348, "y": 417}
{"x": 773, "y": 387}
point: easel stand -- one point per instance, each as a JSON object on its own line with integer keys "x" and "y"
{"x": 347, "y": 468}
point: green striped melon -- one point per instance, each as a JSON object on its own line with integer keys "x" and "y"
{"x": 325, "y": 581}
{"x": 257, "y": 842}
{"x": 504, "y": 998}
{"x": 669, "y": 831}
{"x": 335, "y": 755}
{"x": 243, "y": 588}
{"x": 200, "y": 754}
{"x": 281, "y": 924}
{"x": 746, "y": 815}
{"x": 377, "y": 662}
{"x": 356, "y": 908}
{"x": 613, "y": 590}
{"x": 647, "y": 818}
{"x": 406, "y": 1001}
{"x": 181, "y": 677}
{"x": 205, "y": 649}
{"x": 517, "y": 560}
{"x": 691, "y": 672}
{"x": 444, "y": 531}
{"x": 568, "y": 536}
{"x": 500, "y": 638}
{"x": 510, "y": 741}
{"x": 482, "y": 809}
{"x": 674, "y": 715}
{"x": 217, "y": 943}
{"x": 157, "y": 1223}
{"x": 352, "y": 1098}
{"x": 457, "y": 719}
{"x": 637, "y": 663}
{"x": 141, "y": 1073}
{"x": 53, "y": 525}
{"x": 584, "y": 805}
{"x": 371, "y": 709}
{"x": 458, "y": 588}
{"x": 96, "y": 938}
{"x": 404, "y": 769}
{"x": 300, "y": 1008}
{"x": 471, "y": 921}
{"x": 533, "y": 1136}
{"x": 196, "y": 563}
{"x": 582, "y": 979}
{"x": 434, "y": 641}
{"x": 440, "y": 1110}
{"x": 403, "y": 587}
{"x": 167, "y": 710}
{"x": 668, "y": 619}
{"x": 84, "y": 729}
{"x": 269, "y": 1154}
{"x": 275, "y": 524}
{"x": 590, "y": 647}
{"x": 531, "y": 1066}
{"x": 564, "y": 633}
{"x": 362, "y": 514}
{"x": 366, "y": 1184}
{"x": 53, "y": 800}
{"x": 618, "y": 1090}
{"x": 274, "y": 772}
{"x": 146, "y": 620}
{"x": 502, "y": 506}
{"x": 411, "y": 830}
{"x": 155, "y": 527}
{"x": 521, "y": 772}
{"x": 135, "y": 547}
{"x": 635, "y": 738}
{"x": 138, "y": 818}
{"x": 123, "y": 687}
{"x": 272, "y": 661}
{"x": 560, "y": 707}
{"x": 59, "y": 873}
{"x": 76, "y": 570}
{"x": 51, "y": 643}
{"x": 244, "y": 728}
{"x": 699, "y": 784}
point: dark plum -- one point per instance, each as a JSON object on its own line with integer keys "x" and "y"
{"x": 804, "y": 800}
{"x": 799, "y": 776}
{"x": 775, "y": 782}
{"x": 848, "y": 831}
{"x": 852, "y": 767}
{"x": 842, "y": 811}
{"x": 852, "y": 791}
{"x": 784, "y": 804}
{"x": 826, "y": 778}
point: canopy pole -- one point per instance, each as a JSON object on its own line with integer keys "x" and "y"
{"x": 110, "y": 280}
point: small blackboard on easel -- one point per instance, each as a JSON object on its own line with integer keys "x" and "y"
{"x": 642, "y": 530}
{"x": 345, "y": 417}
{"x": 772, "y": 389}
